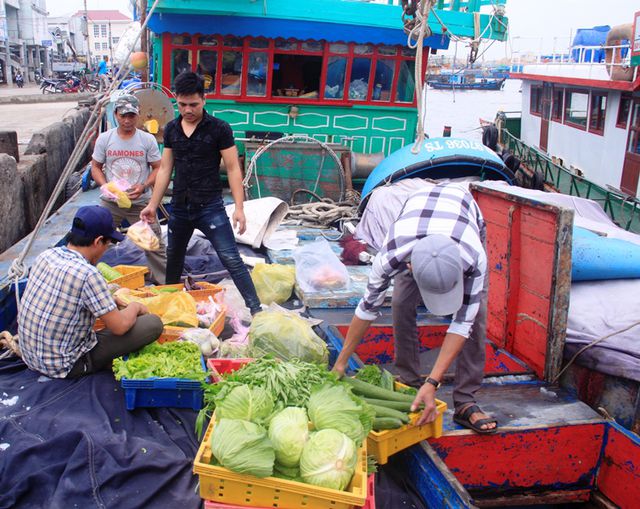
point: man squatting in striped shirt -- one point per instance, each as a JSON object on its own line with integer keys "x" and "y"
{"x": 435, "y": 251}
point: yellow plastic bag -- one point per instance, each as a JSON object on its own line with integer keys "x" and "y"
{"x": 273, "y": 282}
{"x": 177, "y": 308}
{"x": 115, "y": 191}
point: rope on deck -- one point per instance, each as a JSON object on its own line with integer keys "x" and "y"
{"x": 324, "y": 212}
{"x": 9, "y": 342}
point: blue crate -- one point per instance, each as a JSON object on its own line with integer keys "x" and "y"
{"x": 164, "y": 392}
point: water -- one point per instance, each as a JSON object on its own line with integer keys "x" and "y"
{"x": 462, "y": 109}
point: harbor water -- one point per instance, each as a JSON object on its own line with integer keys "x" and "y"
{"x": 462, "y": 109}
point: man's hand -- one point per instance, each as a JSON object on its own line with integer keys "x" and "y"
{"x": 239, "y": 221}
{"x": 148, "y": 214}
{"x": 135, "y": 191}
{"x": 140, "y": 308}
{"x": 339, "y": 369}
{"x": 426, "y": 396}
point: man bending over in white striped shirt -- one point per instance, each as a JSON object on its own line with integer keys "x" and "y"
{"x": 435, "y": 251}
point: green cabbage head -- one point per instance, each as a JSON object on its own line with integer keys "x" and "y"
{"x": 243, "y": 447}
{"x": 329, "y": 459}
{"x": 335, "y": 407}
{"x": 288, "y": 432}
{"x": 248, "y": 403}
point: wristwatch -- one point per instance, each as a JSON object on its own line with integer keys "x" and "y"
{"x": 433, "y": 382}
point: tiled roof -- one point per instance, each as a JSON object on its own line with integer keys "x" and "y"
{"x": 104, "y": 16}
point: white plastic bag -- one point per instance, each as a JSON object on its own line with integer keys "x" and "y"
{"x": 143, "y": 236}
{"x": 318, "y": 268}
{"x": 204, "y": 338}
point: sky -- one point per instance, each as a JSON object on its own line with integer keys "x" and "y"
{"x": 533, "y": 23}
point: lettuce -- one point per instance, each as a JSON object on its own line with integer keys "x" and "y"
{"x": 243, "y": 402}
{"x": 329, "y": 459}
{"x": 335, "y": 407}
{"x": 288, "y": 432}
{"x": 243, "y": 447}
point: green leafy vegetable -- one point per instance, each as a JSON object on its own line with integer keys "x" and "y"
{"x": 335, "y": 407}
{"x": 243, "y": 402}
{"x": 329, "y": 459}
{"x": 288, "y": 432}
{"x": 175, "y": 359}
{"x": 243, "y": 447}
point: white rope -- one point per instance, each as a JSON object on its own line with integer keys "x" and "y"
{"x": 291, "y": 138}
{"x": 18, "y": 269}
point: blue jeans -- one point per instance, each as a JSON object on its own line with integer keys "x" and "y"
{"x": 211, "y": 219}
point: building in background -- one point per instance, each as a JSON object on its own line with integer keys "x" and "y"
{"x": 69, "y": 42}
{"x": 24, "y": 39}
{"x": 105, "y": 28}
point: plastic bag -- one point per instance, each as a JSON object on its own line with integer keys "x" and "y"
{"x": 116, "y": 191}
{"x": 286, "y": 336}
{"x": 204, "y": 338}
{"x": 273, "y": 282}
{"x": 143, "y": 236}
{"x": 177, "y": 308}
{"x": 233, "y": 301}
{"x": 207, "y": 311}
{"x": 318, "y": 268}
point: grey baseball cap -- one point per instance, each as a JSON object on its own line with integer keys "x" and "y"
{"x": 127, "y": 104}
{"x": 437, "y": 269}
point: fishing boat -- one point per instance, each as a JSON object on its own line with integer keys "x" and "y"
{"x": 551, "y": 448}
{"x": 466, "y": 81}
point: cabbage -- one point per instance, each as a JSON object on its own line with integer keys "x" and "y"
{"x": 286, "y": 336}
{"x": 291, "y": 473}
{"x": 288, "y": 432}
{"x": 334, "y": 407}
{"x": 243, "y": 402}
{"x": 243, "y": 447}
{"x": 329, "y": 459}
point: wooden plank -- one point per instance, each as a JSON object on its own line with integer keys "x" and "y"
{"x": 562, "y": 457}
{"x": 618, "y": 478}
{"x": 529, "y": 251}
{"x": 536, "y": 498}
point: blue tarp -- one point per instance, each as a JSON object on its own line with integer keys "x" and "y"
{"x": 72, "y": 444}
{"x": 595, "y": 36}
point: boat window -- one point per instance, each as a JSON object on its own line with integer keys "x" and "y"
{"x": 363, "y": 49}
{"x": 387, "y": 50}
{"x": 623, "y": 111}
{"x": 231, "y": 41}
{"x": 231, "y": 72}
{"x": 383, "y": 80}
{"x": 535, "y": 103}
{"x": 259, "y": 43}
{"x": 180, "y": 62}
{"x": 576, "y": 107}
{"x": 207, "y": 40}
{"x": 634, "y": 137}
{"x": 207, "y": 62}
{"x": 338, "y": 47}
{"x": 406, "y": 81}
{"x": 598, "y": 112}
{"x": 181, "y": 40}
{"x": 359, "y": 86}
{"x": 336, "y": 74}
{"x": 558, "y": 105}
{"x": 296, "y": 76}
{"x": 284, "y": 45}
{"x": 257, "y": 75}
{"x": 408, "y": 52}
{"x": 312, "y": 46}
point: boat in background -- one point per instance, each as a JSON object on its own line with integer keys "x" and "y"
{"x": 467, "y": 79}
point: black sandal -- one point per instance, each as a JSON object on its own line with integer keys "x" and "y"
{"x": 463, "y": 417}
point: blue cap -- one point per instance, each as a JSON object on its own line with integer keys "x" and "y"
{"x": 94, "y": 221}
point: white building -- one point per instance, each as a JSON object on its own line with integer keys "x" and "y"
{"x": 105, "y": 29}
{"x": 69, "y": 42}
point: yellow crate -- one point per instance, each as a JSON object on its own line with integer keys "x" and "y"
{"x": 382, "y": 444}
{"x": 132, "y": 276}
{"x": 221, "y": 485}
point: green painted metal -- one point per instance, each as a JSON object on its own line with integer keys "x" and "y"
{"x": 358, "y": 13}
{"x": 365, "y": 129}
{"x": 623, "y": 210}
{"x": 156, "y": 45}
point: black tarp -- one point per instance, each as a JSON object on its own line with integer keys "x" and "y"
{"x": 72, "y": 444}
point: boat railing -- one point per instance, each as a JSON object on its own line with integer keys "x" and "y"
{"x": 624, "y": 210}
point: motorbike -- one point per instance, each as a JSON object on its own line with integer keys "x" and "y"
{"x": 50, "y": 85}
{"x": 37, "y": 77}
{"x": 19, "y": 80}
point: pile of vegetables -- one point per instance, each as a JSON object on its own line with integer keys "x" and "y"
{"x": 177, "y": 359}
{"x": 108, "y": 272}
{"x": 292, "y": 420}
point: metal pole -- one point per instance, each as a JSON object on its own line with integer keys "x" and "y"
{"x": 110, "y": 45}
{"x": 86, "y": 35}
{"x": 144, "y": 39}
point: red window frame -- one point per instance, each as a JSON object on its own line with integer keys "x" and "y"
{"x": 567, "y": 103}
{"x": 271, "y": 51}
{"x": 600, "y": 112}
{"x": 557, "y": 106}
{"x": 620, "y": 121}
{"x": 535, "y": 100}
